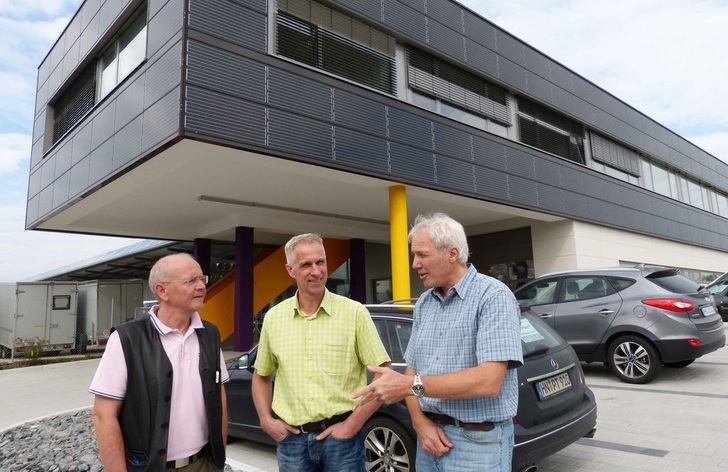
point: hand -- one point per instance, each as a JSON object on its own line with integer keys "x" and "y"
{"x": 338, "y": 430}
{"x": 432, "y": 438}
{"x": 277, "y": 429}
{"x": 389, "y": 387}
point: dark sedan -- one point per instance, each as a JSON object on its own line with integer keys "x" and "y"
{"x": 555, "y": 406}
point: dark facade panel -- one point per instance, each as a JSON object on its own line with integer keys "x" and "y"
{"x": 405, "y": 20}
{"x": 409, "y": 129}
{"x": 371, "y": 9}
{"x": 210, "y": 113}
{"x": 562, "y": 77}
{"x": 103, "y": 124}
{"x": 89, "y": 37}
{"x": 234, "y": 23}
{"x": 223, "y": 71}
{"x": 537, "y": 63}
{"x": 300, "y": 135}
{"x": 520, "y": 163}
{"x": 161, "y": 120}
{"x": 45, "y": 200}
{"x": 595, "y": 208}
{"x": 523, "y": 192}
{"x": 70, "y": 61}
{"x": 163, "y": 75}
{"x": 455, "y": 174}
{"x": 482, "y": 58}
{"x": 539, "y": 88}
{"x": 510, "y": 48}
{"x": 108, "y": 12}
{"x": 79, "y": 178}
{"x": 100, "y": 162}
{"x": 551, "y": 197}
{"x": 452, "y": 142}
{"x": 491, "y": 184}
{"x": 130, "y": 103}
{"x": 127, "y": 143}
{"x": 445, "y": 40}
{"x": 164, "y": 26}
{"x": 480, "y": 31}
{"x": 81, "y": 143}
{"x": 547, "y": 172}
{"x": 47, "y": 172}
{"x": 573, "y": 179}
{"x": 63, "y": 159}
{"x": 61, "y": 189}
{"x": 489, "y": 153}
{"x": 575, "y": 204}
{"x": 361, "y": 151}
{"x": 359, "y": 113}
{"x": 285, "y": 91}
{"x": 449, "y": 14}
{"x": 411, "y": 164}
{"x": 511, "y": 73}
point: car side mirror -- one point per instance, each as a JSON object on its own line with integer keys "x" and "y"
{"x": 243, "y": 362}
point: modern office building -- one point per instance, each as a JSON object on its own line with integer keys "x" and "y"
{"x": 239, "y": 123}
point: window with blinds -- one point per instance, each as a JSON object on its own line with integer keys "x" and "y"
{"x": 75, "y": 102}
{"x": 326, "y": 39}
{"x": 549, "y": 131}
{"x": 613, "y": 154}
{"x": 450, "y": 83}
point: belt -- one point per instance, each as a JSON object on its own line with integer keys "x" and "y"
{"x": 318, "y": 426}
{"x": 184, "y": 462}
{"x": 445, "y": 419}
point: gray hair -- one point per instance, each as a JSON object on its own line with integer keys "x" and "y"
{"x": 301, "y": 238}
{"x": 161, "y": 270}
{"x": 444, "y": 232}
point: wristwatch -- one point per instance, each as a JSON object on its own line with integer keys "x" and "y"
{"x": 418, "y": 389}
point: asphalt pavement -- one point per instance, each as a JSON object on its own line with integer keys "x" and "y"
{"x": 676, "y": 423}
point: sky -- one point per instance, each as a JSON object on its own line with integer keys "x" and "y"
{"x": 663, "y": 57}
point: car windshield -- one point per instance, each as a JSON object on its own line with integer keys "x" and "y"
{"x": 536, "y": 337}
{"x": 715, "y": 289}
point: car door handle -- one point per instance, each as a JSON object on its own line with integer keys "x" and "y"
{"x": 606, "y": 312}
{"x": 545, "y": 316}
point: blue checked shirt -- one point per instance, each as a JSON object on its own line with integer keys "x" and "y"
{"x": 480, "y": 321}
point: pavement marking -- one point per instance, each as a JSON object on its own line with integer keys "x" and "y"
{"x": 667, "y": 392}
{"x": 645, "y": 451}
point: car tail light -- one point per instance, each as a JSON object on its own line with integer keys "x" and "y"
{"x": 679, "y": 305}
{"x": 515, "y": 420}
{"x": 694, "y": 342}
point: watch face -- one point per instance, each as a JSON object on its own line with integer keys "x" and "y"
{"x": 418, "y": 390}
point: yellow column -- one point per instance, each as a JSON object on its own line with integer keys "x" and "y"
{"x": 398, "y": 239}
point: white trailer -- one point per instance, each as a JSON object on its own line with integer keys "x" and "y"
{"x": 103, "y": 304}
{"x": 37, "y": 312}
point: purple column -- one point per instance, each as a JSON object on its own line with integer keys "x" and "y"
{"x": 243, "y": 318}
{"x": 357, "y": 270}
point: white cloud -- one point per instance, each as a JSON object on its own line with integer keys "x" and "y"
{"x": 663, "y": 57}
{"x": 14, "y": 151}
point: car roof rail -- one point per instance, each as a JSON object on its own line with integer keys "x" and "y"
{"x": 400, "y": 301}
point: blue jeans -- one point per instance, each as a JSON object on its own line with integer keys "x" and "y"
{"x": 303, "y": 453}
{"x": 472, "y": 451}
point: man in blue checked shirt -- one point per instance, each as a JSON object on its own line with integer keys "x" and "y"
{"x": 460, "y": 384}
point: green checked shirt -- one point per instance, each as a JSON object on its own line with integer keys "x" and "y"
{"x": 319, "y": 361}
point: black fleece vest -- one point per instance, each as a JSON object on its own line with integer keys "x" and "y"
{"x": 144, "y": 416}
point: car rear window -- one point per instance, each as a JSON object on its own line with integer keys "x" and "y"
{"x": 536, "y": 336}
{"x": 620, "y": 283}
{"x": 674, "y": 282}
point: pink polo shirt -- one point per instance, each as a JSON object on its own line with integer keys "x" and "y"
{"x": 187, "y": 404}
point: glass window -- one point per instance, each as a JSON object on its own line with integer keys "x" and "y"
{"x": 585, "y": 288}
{"x": 660, "y": 180}
{"x": 399, "y": 335}
{"x": 537, "y": 292}
{"x": 124, "y": 55}
{"x": 424, "y": 101}
{"x": 536, "y": 337}
{"x": 332, "y": 52}
{"x": 550, "y": 131}
{"x": 461, "y": 115}
{"x": 722, "y": 205}
{"x": 696, "y": 194}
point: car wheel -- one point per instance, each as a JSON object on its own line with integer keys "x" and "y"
{"x": 679, "y": 364}
{"x": 633, "y": 359}
{"x": 389, "y": 447}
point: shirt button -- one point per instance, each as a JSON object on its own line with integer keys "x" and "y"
{"x": 437, "y": 358}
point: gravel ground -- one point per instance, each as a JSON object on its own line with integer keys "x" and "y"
{"x": 63, "y": 443}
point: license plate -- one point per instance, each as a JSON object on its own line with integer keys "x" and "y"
{"x": 553, "y": 385}
{"x": 708, "y": 310}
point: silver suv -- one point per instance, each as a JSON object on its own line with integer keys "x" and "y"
{"x": 633, "y": 319}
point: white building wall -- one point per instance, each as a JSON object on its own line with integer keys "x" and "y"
{"x": 566, "y": 245}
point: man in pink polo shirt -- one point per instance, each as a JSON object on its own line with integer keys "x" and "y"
{"x": 159, "y": 403}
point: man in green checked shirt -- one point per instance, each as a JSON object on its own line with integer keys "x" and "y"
{"x": 319, "y": 345}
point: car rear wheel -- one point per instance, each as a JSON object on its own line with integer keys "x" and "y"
{"x": 388, "y": 446}
{"x": 633, "y": 359}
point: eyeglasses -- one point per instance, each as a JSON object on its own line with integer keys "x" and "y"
{"x": 190, "y": 282}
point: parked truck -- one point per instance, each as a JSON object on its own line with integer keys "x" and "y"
{"x": 103, "y": 304}
{"x": 39, "y": 314}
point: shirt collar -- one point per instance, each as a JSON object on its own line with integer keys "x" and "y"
{"x": 325, "y": 306}
{"x": 195, "y": 321}
{"x": 461, "y": 287}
